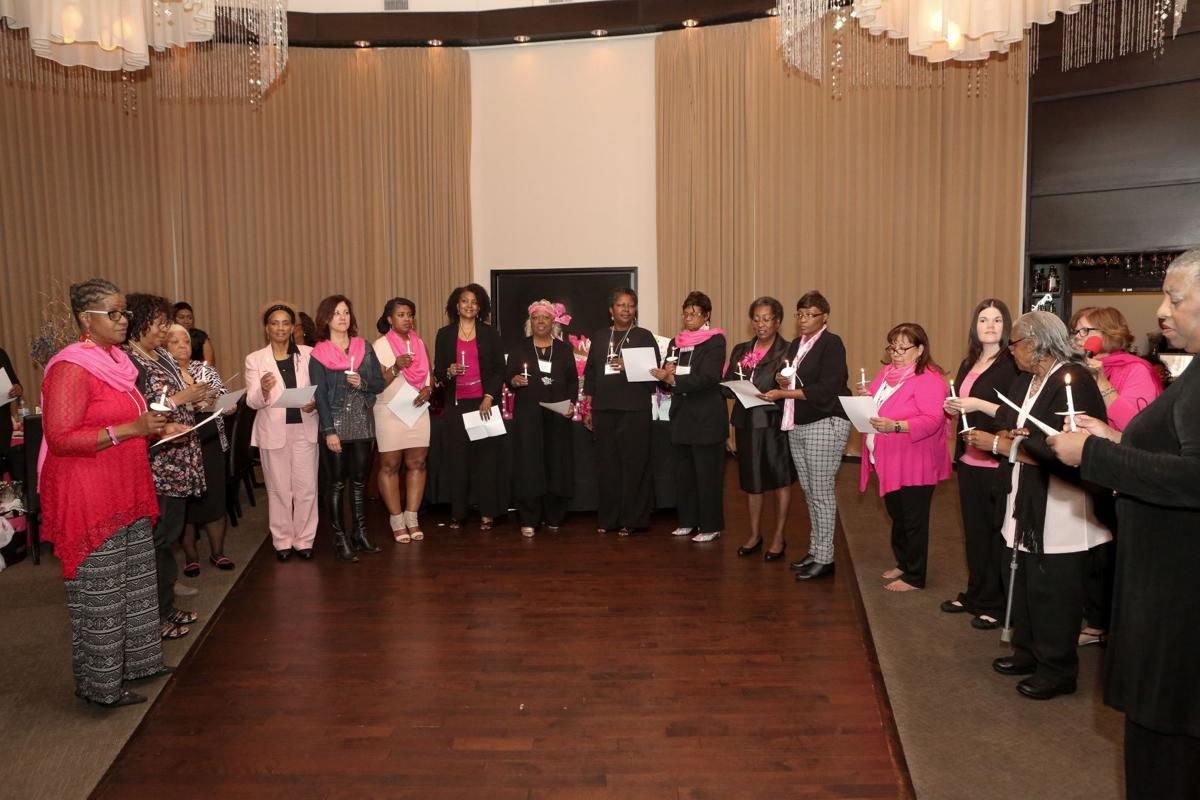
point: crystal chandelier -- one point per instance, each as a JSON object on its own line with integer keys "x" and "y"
{"x": 198, "y": 48}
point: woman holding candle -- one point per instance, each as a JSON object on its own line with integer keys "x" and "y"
{"x": 399, "y": 443}
{"x": 469, "y": 360}
{"x": 178, "y": 465}
{"x": 542, "y": 370}
{"x": 1153, "y": 466}
{"x": 908, "y": 450}
{"x": 347, "y": 376}
{"x": 699, "y": 426}
{"x": 764, "y": 465}
{"x": 987, "y": 367}
{"x": 205, "y": 513}
{"x": 98, "y": 499}
{"x": 811, "y": 379}
{"x": 1051, "y": 517}
{"x": 286, "y": 438}
{"x": 619, "y": 415}
{"x": 1128, "y": 384}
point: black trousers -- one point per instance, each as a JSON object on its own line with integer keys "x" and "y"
{"x": 472, "y": 465}
{"x": 623, "y": 468}
{"x": 1047, "y": 611}
{"x": 549, "y": 508}
{"x": 699, "y": 485}
{"x": 172, "y": 512}
{"x": 1159, "y": 765}
{"x": 353, "y": 466}
{"x": 1098, "y": 585}
{"x": 908, "y": 507}
{"x": 982, "y": 515}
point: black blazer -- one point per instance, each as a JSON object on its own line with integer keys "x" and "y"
{"x": 764, "y": 379}
{"x": 614, "y": 392}
{"x": 564, "y": 377}
{"x": 698, "y": 411}
{"x": 823, "y": 376}
{"x": 491, "y": 359}
{"x": 1000, "y": 374}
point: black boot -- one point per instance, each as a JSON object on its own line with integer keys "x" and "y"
{"x": 358, "y": 505}
{"x": 333, "y": 505}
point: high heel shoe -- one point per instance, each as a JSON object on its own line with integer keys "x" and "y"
{"x": 751, "y": 550}
{"x": 775, "y": 556}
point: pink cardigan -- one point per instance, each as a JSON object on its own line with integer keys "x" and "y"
{"x": 1136, "y": 384}
{"x": 270, "y": 424}
{"x": 921, "y": 456}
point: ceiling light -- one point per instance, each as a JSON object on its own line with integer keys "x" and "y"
{"x": 362, "y": 43}
{"x": 434, "y": 43}
{"x": 599, "y": 32}
{"x": 522, "y": 39}
{"x": 691, "y": 23}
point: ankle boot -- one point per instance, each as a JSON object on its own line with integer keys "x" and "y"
{"x": 358, "y": 504}
{"x": 341, "y": 543}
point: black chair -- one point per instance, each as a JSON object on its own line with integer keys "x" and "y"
{"x": 239, "y": 461}
{"x": 29, "y": 481}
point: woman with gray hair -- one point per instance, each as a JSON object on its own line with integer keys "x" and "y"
{"x": 1051, "y": 518}
{"x": 1154, "y": 464}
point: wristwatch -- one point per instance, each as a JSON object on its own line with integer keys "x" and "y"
{"x": 897, "y": 428}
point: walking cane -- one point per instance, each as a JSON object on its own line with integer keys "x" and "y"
{"x": 1007, "y": 631}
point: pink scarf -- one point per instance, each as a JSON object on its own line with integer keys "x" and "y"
{"x": 332, "y": 357}
{"x": 692, "y": 338}
{"x": 418, "y": 371}
{"x": 789, "y": 405}
{"x": 111, "y": 366}
{"x": 894, "y": 376}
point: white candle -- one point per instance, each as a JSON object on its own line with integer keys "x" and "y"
{"x": 1070, "y": 402}
{"x": 525, "y": 371}
{"x": 463, "y": 354}
{"x": 862, "y": 375}
{"x": 162, "y": 398}
{"x": 963, "y": 414}
{"x": 408, "y": 346}
{"x": 741, "y": 376}
{"x": 351, "y": 364}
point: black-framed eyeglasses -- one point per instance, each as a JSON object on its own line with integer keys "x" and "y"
{"x": 1013, "y": 344}
{"x": 808, "y": 315}
{"x": 113, "y": 314}
{"x": 898, "y": 350}
{"x": 1084, "y": 331}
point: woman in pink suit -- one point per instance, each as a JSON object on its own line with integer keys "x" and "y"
{"x": 286, "y": 437}
{"x": 908, "y": 453}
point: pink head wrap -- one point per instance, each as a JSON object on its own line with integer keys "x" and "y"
{"x": 558, "y": 312}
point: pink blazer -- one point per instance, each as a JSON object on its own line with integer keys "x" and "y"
{"x": 1136, "y": 383}
{"x": 921, "y": 456}
{"x": 270, "y": 424}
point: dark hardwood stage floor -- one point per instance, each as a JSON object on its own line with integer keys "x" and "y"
{"x": 482, "y": 665}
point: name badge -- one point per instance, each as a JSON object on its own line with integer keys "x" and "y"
{"x": 609, "y": 369}
{"x": 682, "y": 370}
{"x": 544, "y": 366}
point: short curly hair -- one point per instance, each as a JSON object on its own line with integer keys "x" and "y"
{"x": 481, "y": 298}
{"x": 143, "y": 309}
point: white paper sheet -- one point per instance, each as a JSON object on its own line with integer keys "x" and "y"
{"x": 295, "y": 398}
{"x": 561, "y": 407}
{"x": 5, "y": 388}
{"x": 746, "y": 393}
{"x": 198, "y": 425}
{"x": 480, "y": 428}
{"x": 402, "y": 404}
{"x": 638, "y": 363}
{"x": 860, "y": 410}
{"x": 228, "y": 401}
{"x": 1046, "y": 429}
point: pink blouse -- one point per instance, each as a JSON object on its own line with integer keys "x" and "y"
{"x": 973, "y": 456}
{"x": 469, "y": 385}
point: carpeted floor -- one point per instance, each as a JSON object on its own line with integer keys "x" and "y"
{"x": 966, "y": 732}
{"x": 55, "y": 746}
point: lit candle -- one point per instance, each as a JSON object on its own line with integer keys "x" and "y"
{"x": 1070, "y": 402}
{"x": 525, "y": 371}
{"x": 408, "y": 345}
{"x": 862, "y": 375}
{"x": 741, "y": 377}
{"x": 463, "y": 354}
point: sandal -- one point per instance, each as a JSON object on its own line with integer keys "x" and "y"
{"x": 180, "y": 617}
{"x": 485, "y": 523}
{"x": 527, "y": 531}
{"x": 220, "y": 561}
{"x": 399, "y": 528}
{"x": 169, "y": 630}
{"x": 1086, "y": 638}
{"x": 624, "y": 532}
{"x": 191, "y": 569}
{"x": 414, "y": 528}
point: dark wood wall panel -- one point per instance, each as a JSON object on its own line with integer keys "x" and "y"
{"x": 1155, "y": 218}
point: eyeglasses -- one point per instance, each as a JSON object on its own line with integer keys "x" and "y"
{"x": 1013, "y": 344}
{"x": 115, "y": 314}
{"x": 898, "y": 350}
{"x": 807, "y": 315}
{"x": 1084, "y": 331}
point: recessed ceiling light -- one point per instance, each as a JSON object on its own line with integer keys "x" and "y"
{"x": 434, "y": 43}
{"x": 691, "y": 23}
{"x": 362, "y": 43}
{"x": 522, "y": 39}
{"x": 599, "y": 32}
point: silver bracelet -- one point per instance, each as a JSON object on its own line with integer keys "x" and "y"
{"x": 995, "y": 444}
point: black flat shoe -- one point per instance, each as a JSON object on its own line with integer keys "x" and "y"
{"x": 1036, "y": 688}
{"x": 751, "y": 550}
{"x": 126, "y": 699}
{"x": 804, "y": 562}
{"x": 305, "y": 554}
{"x": 773, "y": 556}
{"x": 953, "y": 607}
{"x": 166, "y": 670}
{"x": 1009, "y": 665}
{"x": 283, "y": 555}
{"x": 981, "y": 624}
{"x": 814, "y": 571}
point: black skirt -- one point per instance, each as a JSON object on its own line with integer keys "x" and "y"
{"x": 764, "y": 460}
{"x": 210, "y": 506}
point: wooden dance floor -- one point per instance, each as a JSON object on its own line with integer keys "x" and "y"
{"x": 481, "y": 665}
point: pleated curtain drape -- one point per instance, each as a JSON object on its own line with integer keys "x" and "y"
{"x": 897, "y": 204}
{"x": 353, "y": 177}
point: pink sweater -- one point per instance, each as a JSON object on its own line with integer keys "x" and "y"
{"x": 919, "y": 457}
{"x": 1136, "y": 384}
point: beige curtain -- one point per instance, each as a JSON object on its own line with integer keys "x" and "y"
{"x": 897, "y": 204}
{"x": 353, "y": 178}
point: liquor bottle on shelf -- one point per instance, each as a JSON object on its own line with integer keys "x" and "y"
{"x": 1052, "y": 284}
